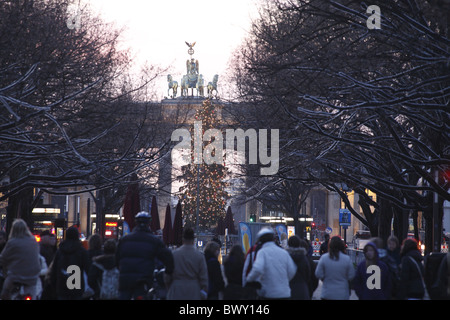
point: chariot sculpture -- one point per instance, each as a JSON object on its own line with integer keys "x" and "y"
{"x": 192, "y": 79}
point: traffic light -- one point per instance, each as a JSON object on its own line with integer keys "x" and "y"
{"x": 253, "y": 218}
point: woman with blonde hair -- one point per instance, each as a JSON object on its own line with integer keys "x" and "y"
{"x": 20, "y": 260}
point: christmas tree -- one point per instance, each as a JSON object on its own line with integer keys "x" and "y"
{"x": 204, "y": 179}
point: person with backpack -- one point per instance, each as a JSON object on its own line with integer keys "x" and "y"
{"x": 70, "y": 253}
{"x": 135, "y": 256}
{"x": 103, "y": 276}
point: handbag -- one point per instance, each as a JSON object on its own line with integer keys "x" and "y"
{"x": 426, "y": 296}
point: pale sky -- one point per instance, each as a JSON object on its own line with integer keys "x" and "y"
{"x": 156, "y": 31}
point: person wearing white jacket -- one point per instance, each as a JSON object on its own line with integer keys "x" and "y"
{"x": 273, "y": 268}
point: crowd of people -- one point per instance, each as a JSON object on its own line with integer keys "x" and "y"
{"x": 270, "y": 269}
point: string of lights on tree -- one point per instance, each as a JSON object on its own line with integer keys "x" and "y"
{"x": 212, "y": 187}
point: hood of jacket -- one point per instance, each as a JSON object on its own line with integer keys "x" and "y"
{"x": 374, "y": 246}
{"x": 70, "y": 246}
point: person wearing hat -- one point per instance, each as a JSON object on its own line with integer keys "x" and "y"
{"x": 189, "y": 280}
{"x": 273, "y": 268}
{"x": 366, "y": 284}
{"x": 135, "y": 256}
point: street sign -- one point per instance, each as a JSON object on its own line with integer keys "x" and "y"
{"x": 345, "y": 217}
{"x": 328, "y": 230}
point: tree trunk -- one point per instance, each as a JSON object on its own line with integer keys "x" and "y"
{"x": 414, "y": 216}
{"x": 20, "y": 206}
{"x": 385, "y": 217}
{"x": 401, "y": 217}
{"x": 428, "y": 216}
{"x": 371, "y": 217}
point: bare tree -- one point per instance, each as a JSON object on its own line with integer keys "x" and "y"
{"x": 376, "y": 101}
{"x": 71, "y": 115}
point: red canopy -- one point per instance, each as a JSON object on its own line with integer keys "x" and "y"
{"x": 155, "y": 225}
{"x": 132, "y": 204}
{"x": 178, "y": 226}
{"x": 167, "y": 231}
{"x": 229, "y": 222}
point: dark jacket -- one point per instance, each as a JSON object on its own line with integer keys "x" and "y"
{"x": 48, "y": 252}
{"x": 395, "y": 254}
{"x": 324, "y": 247}
{"x": 215, "y": 279}
{"x": 233, "y": 271}
{"x": 410, "y": 284}
{"x": 70, "y": 252}
{"x": 135, "y": 257}
{"x": 313, "y": 282}
{"x": 108, "y": 261}
{"x": 92, "y": 253}
{"x": 300, "y": 283}
{"x": 442, "y": 283}
{"x": 360, "y": 282}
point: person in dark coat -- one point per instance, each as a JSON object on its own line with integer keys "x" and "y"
{"x": 442, "y": 280}
{"x": 70, "y": 252}
{"x": 313, "y": 282}
{"x": 233, "y": 266}
{"x": 393, "y": 249}
{"x": 215, "y": 280}
{"x": 300, "y": 283}
{"x": 324, "y": 245}
{"x": 136, "y": 255}
{"x": 391, "y": 262}
{"x": 47, "y": 246}
{"x": 95, "y": 246}
{"x": 360, "y": 281}
{"x": 411, "y": 272}
{"x": 3, "y": 239}
{"x": 107, "y": 261}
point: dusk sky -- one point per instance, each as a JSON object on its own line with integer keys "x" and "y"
{"x": 156, "y": 31}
